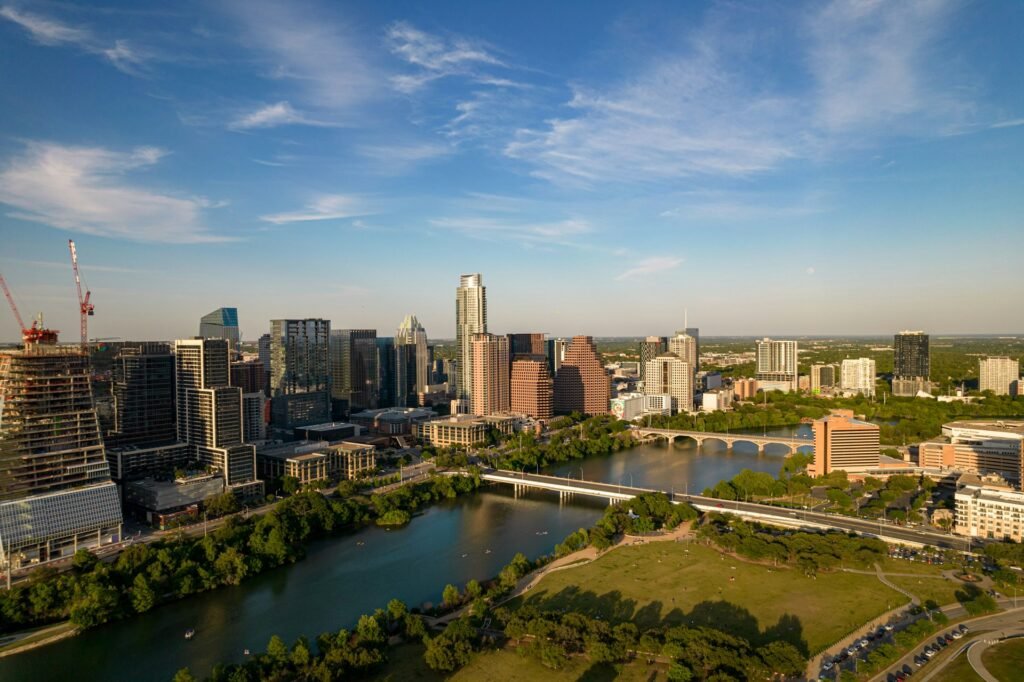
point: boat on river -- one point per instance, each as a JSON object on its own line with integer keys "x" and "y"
{"x": 190, "y": 633}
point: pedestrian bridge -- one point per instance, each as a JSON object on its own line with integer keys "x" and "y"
{"x": 793, "y": 444}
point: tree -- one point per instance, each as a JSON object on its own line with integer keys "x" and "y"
{"x": 473, "y": 589}
{"x": 397, "y": 610}
{"x": 369, "y": 630}
{"x": 184, "y": 675}
{"x": 221, "y": 505}
{"x": 450, "y": 596}
{"x": 277, "y": 650}
{"x": 143, "y": 597}
{"x": 290, "y": 485}
{"x": 679, "y": 673}
{"x": 84, "y": 561}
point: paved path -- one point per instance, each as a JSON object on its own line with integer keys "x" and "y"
{"x": 978, "y": 648}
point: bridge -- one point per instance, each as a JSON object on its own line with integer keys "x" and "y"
{"x": 795, "y": 518}
{"x": 793, "y": 444}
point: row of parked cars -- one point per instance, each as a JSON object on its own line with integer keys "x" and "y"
{"x": 929, "y": 652}
{"x": 916, "y": 555}
{"x": 856, "y": 648}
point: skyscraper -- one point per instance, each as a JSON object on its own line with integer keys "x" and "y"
{"x": 858, "y": 376}
{"x": 581, "y": 384}
{"x": 556, "y": 353}
{"x": 300, "y": 377}
{"x": 695, "y": 333}
{"x": 470, "y": 319}
{"x": 412, "y": 333}
{"x": 999, "y": 375}
{"x": 248, "y": 375}
{"x": 526, "y": 345}
{"x": 650, "y": 348}
{"x": 222, "y": 323}
{"x": 822, "y": 377}
{"x": 668, "y": 374}
{"x": 56, "y": 495}
{"x": 911, "y": 363}
{"x": 210, "y": 413}
{"x": 142, "y": 385}
{"x": 354, "y": 368}
{"x": 532, "y": 390}
{"x": 490, "y": 380}
{"x": 264, "y": 352}
{"x": 388, "y": 374}
{"x": 777, "y": 365}
{"x": 685, "y": 348}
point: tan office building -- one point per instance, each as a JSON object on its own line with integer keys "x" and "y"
{"x": 581, "y": 384}
{"x": 979, "y": 446}
{"x": 999, "y": 375}
{"x": 490, "y": 375}
{"x": 532, "y": 388}
{"x": 842, "y": 442}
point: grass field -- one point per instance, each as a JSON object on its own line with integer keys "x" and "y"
{"x": 939, "y": 589}
{"x": 958, "y": 671}
{"x": 1005, "y": 661}
{"x": 903, "y": 566}
{"x": 673, "y": 583}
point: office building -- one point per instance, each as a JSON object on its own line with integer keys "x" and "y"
{"x": 823, "y": 378}
{"x": 744, "y": 389}
{"x": 989, "y": 512}
{"x": 657, "y": 403}
{"x": 462, "y": 430}
{"x": 999, "y": 375}
{"x": 318, "y": 463}
{"x": 248, "y": 375}
{"x": 694, "y": 333}
{"x": 392, "y": 384}
{"x": 211, "y": 414}
{"x": 716, "y": 400}
{"x": 628, "y": 406}
{"x": 858, "y": 376}
{"x": 911, "y": 363}
{"x": 392, "y": 421}
{"x": 411, "y": 333}
{"x": 470, "y": 320}
{"x": 684, "y": 347}
{"x": 978, "y": 446}
{"x": 556, "y": 353}
{"x": 527, "y": 345}
{"x": 142, "y": 385}
{"x": 532, "y": 389}
{"x": 777, "y": 368}
{"x": 650, "y": 348}
{"x": 264, "y": 355}
{"x": 354, "y": 369}
{"x": 56, "y": 495}
{"x": 222, "y": 323}
{"x": 254, "y": 421}
{"x": 300, "y": 376}
{"x": 581, "y": 384}
{"x": 668, "y": 373}
{"x": 490, "y": 380}
{"x": 843, "y": 442}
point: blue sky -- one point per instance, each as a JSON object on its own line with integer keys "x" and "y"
{"x": 774, "y": 168}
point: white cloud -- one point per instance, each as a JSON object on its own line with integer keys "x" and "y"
{"x": 398, "y": 157}
{"x": 83, "y": 189}
{"x": 272, "y": 115}
{"x": 325, "y": 207}
{"x": 46, "y": 31}
{"x": 1012, "y": 123}
{"x": 810, "y": 270}
{"x": 558, "y": 233}
{"x": 650, "y": 266}
{"x": 437, "y": 57}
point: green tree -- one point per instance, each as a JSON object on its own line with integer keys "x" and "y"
{"x": 184, "y": 675}
{"x": 450, "y": 596}
{"x": 277, "y": 650}
{"x": 221, "y": 505}
{"x": 290, "y": 485}
{"x": 143, "y": 597}
{"x": 84, "y": 561}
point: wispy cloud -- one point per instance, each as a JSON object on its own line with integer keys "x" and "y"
{"x": 324, "y": 207}
{"x": 557, "y": 233}
{"x": 65, "y": 265}
{"x": 83, "y": 189}
{"x": 735, "y": 206}
{"x": 272, "y": 115}
{"x": 1012, "y": 123}
{"x": 122, "y": 54}
{"x": 394, "y": 158}
{"x": 650, "y": 266}
{"x": 437, "y": 57}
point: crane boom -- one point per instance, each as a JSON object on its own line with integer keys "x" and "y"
{"x": 14, "y": 307}
{"x": 85, "y": 308}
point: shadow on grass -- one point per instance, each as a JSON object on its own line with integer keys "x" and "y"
{"x": 717, "y": 614}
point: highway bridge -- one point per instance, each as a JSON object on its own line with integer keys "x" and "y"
{"x": 796, "y": 518}
{"x": 793, "y": 444}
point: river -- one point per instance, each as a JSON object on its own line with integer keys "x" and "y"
{"x": 340, "y": 578}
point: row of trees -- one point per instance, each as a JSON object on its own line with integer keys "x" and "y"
{"x": 144, "y": 575}
{"x": 593, "y": 437}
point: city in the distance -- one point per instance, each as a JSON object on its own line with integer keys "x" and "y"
{"x": 511, "y": 341}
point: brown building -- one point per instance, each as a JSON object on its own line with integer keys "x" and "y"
{"x": 490, "y": 374}
{"x": 745, "y": 389}
{"x": 526, "y": 344}
{"x": 842, "y": 442}
{"x": 532, "y": 388}
{"x": 581, "y": 384}
{"x": 248, "y": 375}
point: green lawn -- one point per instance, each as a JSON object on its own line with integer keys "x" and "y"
{"x": 1005, "y": 661}
{"x": 958, "y": 671}
{"x": 690, "y": 583}
{"x": 939, "y": 589}
{"x": 405, "y": 662}
{"x": 916, "y": 567}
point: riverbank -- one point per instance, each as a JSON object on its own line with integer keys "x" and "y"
{"x": 27, "y": 640}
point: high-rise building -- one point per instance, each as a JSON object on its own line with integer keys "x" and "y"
{"x": 858, "y": 376}
{"x": 490, "y": 375}
{"x": 388, "y": 374}
{"x": 528, "y": 345}
{"x": 264, "y": 353}
{"x": 254, "y": 423}
{"x": 56, "y": 495}
{"x": 695, "y": 333}
{"x": 248, "y": 375}
{"x": 669, "y": 374}
{"x": 556, "y": 353}
{"x": 582, "y": 385}
{"x": 411, "y": 333}
{"x": 842, "y": 442}
{"x": 300, "y": 372}
{"x": 650, "y": 348}
{"x": 142, "y": 385}
{"x": 211, "y": 414}
{"x": 470, "y": 320}
{"x": 777, "y": 368}
{"x": 999, "y": 375}
{"x": 354, "y": 368}
{"x": 222, "y": 323}
{"x": 823, "y": 377}
{"x": 532, "y": 390}
{"x": 685, "y": 348}
{"x": 911, "y": 366}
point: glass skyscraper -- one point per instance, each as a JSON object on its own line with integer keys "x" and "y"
{"x": 222, "y": 323}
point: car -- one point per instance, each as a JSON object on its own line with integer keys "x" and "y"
{"x": 863, "y": 643}
{"x": 942, "y": 642}
{"x": 928, "y": 652}
{"x": 963, "y": 628}
{"x": 957, "y": 634}
{"x": 919, "y": 661}
{"x": 948, "y": 638}
{"x": 827, "y": 666}
{"x": 888, "y": 628}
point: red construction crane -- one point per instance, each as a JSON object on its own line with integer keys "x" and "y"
{"x": 85, "y": 309}
{"x": 34, "y": 334}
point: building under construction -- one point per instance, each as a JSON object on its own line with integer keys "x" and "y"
{"x": 56, "y": 495}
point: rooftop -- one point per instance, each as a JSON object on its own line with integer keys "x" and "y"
{"x": 1005, "y": 428}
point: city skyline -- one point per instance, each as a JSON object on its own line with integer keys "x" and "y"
{"x": 585, "y": 162}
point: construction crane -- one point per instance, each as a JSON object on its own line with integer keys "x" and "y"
{"x": 85, "y": 308}
{"x": 34, "y": 334}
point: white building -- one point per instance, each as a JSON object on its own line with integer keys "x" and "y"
{"x": 777, "y": 365}
{"x": 667, "y": 373}
{"x": 858, "y": 376}
{"x": 990, "y": 512}
{"x": 999, "y": 375}
{"x": 628, "y": 406}
{"x": 685, "y": 347}
{"x": 657, "y": 403}
{"x": 716, "y": 399}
